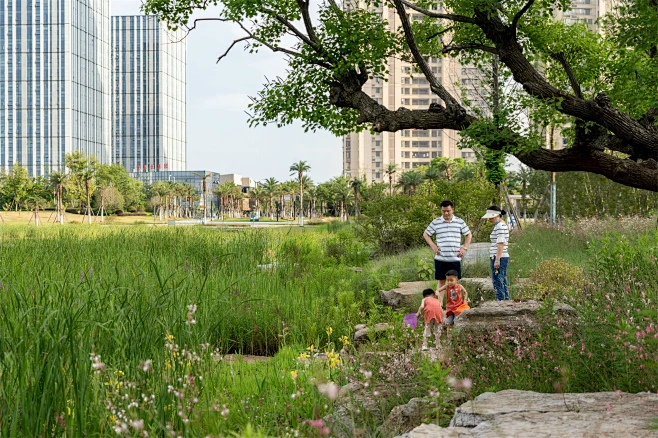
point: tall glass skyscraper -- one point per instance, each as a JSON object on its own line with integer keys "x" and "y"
{"x": 54, "y": 82}
{"x": 149, "y": 100}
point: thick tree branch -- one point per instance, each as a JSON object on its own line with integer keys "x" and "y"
{"x": 306, "y": 17}
{"x": 466, "y": 46}
{"x": 451, "y": 17}
{"x": 435, "y": 85}
{"x": 444, "y": 31}
{"x": 575, "y": 86}
{"x": 517, "y": 17}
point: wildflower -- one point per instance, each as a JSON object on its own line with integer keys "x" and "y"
{"x": 311, "y": 349}
{"x": 303, "y": 356}
{"x": 97, "y": 365}
{"x": 137, "y": 425}
{"x": 293, "y": 374}
{"x": 329, "y": 331}
{"x": 330, "y": 390}
{"x": 344, "y": 340}
{"x": 145, "y": 366}
{"x": 191, "y": 310}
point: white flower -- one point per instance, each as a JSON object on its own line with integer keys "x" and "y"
{"x": 330, "y": 390}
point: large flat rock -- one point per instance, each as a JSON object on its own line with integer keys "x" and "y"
{"x": 408, "y": 295}
{"x": 506, "y": 315}
{"x": 514, "y": 413}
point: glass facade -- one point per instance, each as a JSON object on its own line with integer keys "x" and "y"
{"x": 149, "y": 101}
{"x": 192, "y": 177}
{"x": 54, "y": 82}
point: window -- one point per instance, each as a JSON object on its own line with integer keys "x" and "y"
{"x": 405, "y": 144}
{"x": 436, "y": 70}
{"x": 406, "y": 133}
{"x": 421, "y": 91}
{"x": 436, "y": 144}
{"x": 405, "y": 154}
{"x": 378, "y": 89}
{"x": 378, "y": 154}
{"x": 406, "y": 69}
{"x": 421, "y": 81}
{"x": 405, "y": 101}
{"x": 420, "y": 144}
{"x": 406, "y": 165}
{"x": 405, "y": 91}
{"x": 581, "y": 11}
{"x": 420, "y": 155}
{"x": 378, "y": 175}
{"x": 420, "y": 133}
{"x": 378, "y": 143}
{"x": 406, "y": 81}
{"x": 378, "y": 164}
{"x": 420, "y": 102}
{"x": 435, "y": 154}
{"x": 436, "y": 133}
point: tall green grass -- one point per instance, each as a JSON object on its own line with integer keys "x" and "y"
{"x": 69, "y": 292}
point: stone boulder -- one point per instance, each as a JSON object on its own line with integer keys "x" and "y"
{"x": 364, "y": 333}
{"x": 407, "y": 295}
{"x": 514, "y": 413}
{"x": 506, "y": 315}
{"x": 405, "y": 418}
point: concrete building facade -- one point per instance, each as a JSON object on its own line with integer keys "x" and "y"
{"x": 370, "y": 155}
{"x": 54, "y": 82}
{"x": 149, "y": 95}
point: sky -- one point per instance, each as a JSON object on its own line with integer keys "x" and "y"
{"x": 218, "y": 136}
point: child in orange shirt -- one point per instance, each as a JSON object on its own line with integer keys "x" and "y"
{"x": 456, "y": 298}
{"x": 431, "y": 309}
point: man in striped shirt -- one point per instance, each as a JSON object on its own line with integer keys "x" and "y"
{"x": 448, "y": 250}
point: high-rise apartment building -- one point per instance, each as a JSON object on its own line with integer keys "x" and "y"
{"x": 149, "y": 97}
{"x": 370, "y": 155}
{"x": 54, "y": 82}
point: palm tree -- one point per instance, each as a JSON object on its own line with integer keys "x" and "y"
{"x": 390, "y": 171}
{"x": 57, "y": 180}
{"x": 356, "y": 185}
{"x": 409, "y": 181}
{"x": 299, "y": 169}
{"x": 465, "y": 173}
{"x": 432, "y": 174}
{"x": 83, "y": 169}
{"x": 447, "y": 165}
{"x": 340, "y": 188}
{"x": 270, "y": 186}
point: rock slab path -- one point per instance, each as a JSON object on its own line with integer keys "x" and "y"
{"x": 514, "y": 413}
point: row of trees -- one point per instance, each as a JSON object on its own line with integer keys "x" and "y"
{"x": 93, "y": 189}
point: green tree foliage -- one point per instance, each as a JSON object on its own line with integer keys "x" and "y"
{"x": 539, "y": 72}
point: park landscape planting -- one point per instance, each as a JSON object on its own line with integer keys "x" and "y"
{"x": 140, "y": 331}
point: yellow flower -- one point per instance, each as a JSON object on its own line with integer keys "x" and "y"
{"x": 169, "y": 337}
{"x": 293, "y": 374}
{"x": 113, "y": 418}
{"x": 329, "y": 330}
{"x": 333, "y": 363}
{"x": 168, "y": 364}
{"x": 68, "y": 410}
{"x": 303, "y": 356}
{"x": 344, "y": 340}
{"x": 311, "y": 348}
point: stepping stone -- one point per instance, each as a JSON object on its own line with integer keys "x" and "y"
{"x": 408, "y": 295}
{"x": 363, "y": 335}
{"x": 514, "y": 413}
{"x": 506, "y": 315}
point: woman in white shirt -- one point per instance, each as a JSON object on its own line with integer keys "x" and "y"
{"x": 498, "y": 251}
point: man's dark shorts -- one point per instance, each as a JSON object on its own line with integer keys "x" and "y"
{"x": 440, "y": 269}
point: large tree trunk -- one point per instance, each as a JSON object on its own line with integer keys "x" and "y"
{"x": 88, "y": 202}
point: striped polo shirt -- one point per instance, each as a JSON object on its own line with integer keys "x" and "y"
{"x": 500, "y": 234}
{"x": 448, "y": 237}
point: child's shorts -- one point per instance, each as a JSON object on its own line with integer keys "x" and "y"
{"x": 450, "y": 319}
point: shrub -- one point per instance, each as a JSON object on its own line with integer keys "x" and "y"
{"x": 344, "y": 247}
{"x": 555, "y": 278}
{"x": 396, "y": 223}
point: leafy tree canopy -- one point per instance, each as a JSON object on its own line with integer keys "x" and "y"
{"x": 602, "y": 84}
